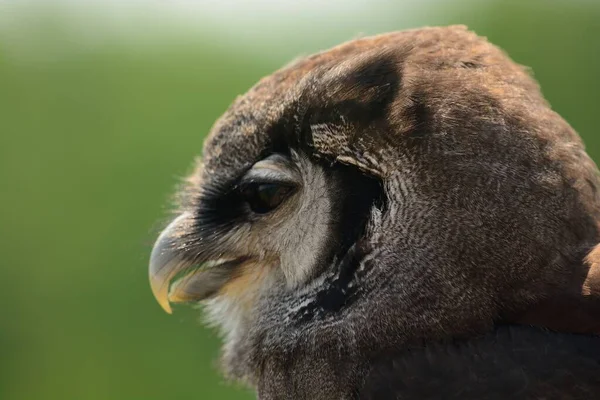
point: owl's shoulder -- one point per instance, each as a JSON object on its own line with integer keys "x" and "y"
{"x": 512, "y": 362}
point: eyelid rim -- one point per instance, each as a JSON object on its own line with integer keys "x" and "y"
{"x": 264, "y": 175}
{"x": 275, "y": 169}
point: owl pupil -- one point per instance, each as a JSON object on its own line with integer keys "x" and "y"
{"x": 265, "y": 197}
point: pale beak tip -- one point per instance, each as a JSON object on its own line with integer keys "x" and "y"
{"x": 163, "y": 264}
{"x": 160, "y": 292}
{"x": 166, "y": 306}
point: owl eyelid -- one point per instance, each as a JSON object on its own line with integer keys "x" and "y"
{"x": 268, "y": 176}
{"x": 275, "y": 170}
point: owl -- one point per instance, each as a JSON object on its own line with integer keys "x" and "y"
{"x": 400, "y": 217}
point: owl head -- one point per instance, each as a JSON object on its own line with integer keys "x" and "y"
{"x": 394, "y": 190}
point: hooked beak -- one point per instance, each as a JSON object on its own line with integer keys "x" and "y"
{"x": 165, "y": 263}
{"x": 199, "y": 278}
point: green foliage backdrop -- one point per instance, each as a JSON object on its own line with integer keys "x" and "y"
{"x": 91, "y": 145}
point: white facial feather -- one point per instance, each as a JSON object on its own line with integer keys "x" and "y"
{"x": 301, "y": 237}
{"x": 296, "y": 236}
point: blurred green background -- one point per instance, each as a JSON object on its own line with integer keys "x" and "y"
{"x": 102, "y": 109}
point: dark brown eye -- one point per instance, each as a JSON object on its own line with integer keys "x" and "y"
{"x": 264, "y": 197}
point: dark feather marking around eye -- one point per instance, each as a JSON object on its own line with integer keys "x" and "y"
{"x": 219, "y": 206}
{"x": 366, "y": 95}
{"x": 338, "y": 293}
{"x": 363, "y": 96}
{"x": 359, "y": 96}
{"x": 421, "y": 116}
{"x": 378, "y": 79}
{"x": 358, "y": 194}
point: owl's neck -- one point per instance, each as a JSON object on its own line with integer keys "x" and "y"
{"x": 510, "y": 362}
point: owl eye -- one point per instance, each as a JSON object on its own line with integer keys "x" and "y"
{"x": 264, "y": 197}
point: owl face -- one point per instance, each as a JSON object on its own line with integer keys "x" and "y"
{"x": 275, "y": 223}
{"x": 265, "y": 212}
{"x": 402, "y": 188}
